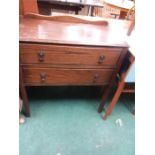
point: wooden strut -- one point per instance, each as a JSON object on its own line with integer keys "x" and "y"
{"x": 112, "y": 81}
{"x": 119, "y": 90}
{"x": 26, "y": 108}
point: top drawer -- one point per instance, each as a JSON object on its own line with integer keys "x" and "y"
{"x": 68, "y": 55}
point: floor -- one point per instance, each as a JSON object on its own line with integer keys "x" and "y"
{"x": 65, "y": 121}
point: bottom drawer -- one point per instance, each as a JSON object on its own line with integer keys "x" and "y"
{"x": 57, "y": 76}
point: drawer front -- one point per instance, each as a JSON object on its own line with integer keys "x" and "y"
{"x": 55, "y": 76}
{"x": 68, "y": 55}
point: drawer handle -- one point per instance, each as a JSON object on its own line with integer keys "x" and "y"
{"x": 42, "y": 76}
{"x": 101, "y": 59}
{"x": 41, "y": 56}
{"x": 96, "y": 76}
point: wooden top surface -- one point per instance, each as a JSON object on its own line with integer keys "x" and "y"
{"x": 50, "y": 31}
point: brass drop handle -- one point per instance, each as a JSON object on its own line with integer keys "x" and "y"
{"x": 96, "y": 76}
{"x": 41, "y": 56}
{"x": 43, "y": 76}
{"x": 101, "y": 59}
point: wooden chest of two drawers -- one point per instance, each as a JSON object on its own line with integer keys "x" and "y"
{"x": 67, "y": 65}
{"x": 70, "y": 50}
{"x": 60, "y": 65}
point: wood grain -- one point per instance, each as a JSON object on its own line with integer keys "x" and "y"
{"x": 45, "y": 31}
{"x": 69, "y": 55}
{"x": 57, "y": 76}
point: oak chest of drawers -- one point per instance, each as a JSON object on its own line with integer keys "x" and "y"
{"x": 47, "y": 63}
